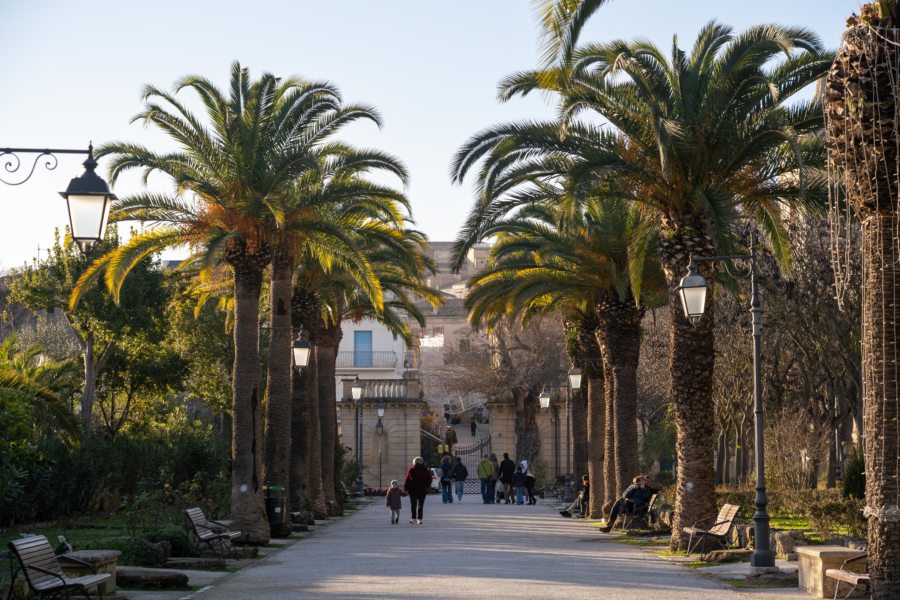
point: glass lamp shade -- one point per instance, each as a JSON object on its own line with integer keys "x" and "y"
{"x": 575, "y": 378}
{"x": 88, "y": 198}
{"x": 544, "y": 399}
{"x": 301, "y": 350}
{"x": 356, "y": 390}
{"x": 693, "y": 295}
{"x": 380, "y": 410}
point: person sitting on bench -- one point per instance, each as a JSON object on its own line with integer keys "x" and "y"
{"x": 580, "y": 505}
{"x": 634, "y": 501}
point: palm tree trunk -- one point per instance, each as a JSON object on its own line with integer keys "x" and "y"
{"x": 276, "y": 470}
{"x": 299, "y": 480}
{"x": 314, "y": 438}
{"x": 247, "y": 503}
{"x": 610, "y": 492}
{"x": 596, "y": 425}
{"x": 691, "y": 361}
{"x": 880, "y": 323}
{"x": 619, "y": 336}
{"x": 326, "y": 359}
{"x": 579, "y": 434}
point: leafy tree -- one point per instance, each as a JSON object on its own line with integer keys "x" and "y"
{"x": 99, "y": 323}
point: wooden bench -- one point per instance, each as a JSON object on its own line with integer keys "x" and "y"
{"x": 646, "y": 514}
{"x": 859, "y": 582}
{"x": 213, "y": 534}
{"x": 348, "y": 494}
{"x": 718, "y": 531}
{"x": 43, "y": 573}
{"x": 814, "y": 564}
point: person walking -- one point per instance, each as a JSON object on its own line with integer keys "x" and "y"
{"x": 495, "y": 477}
{"x": 417, "y": 483}
{"x": 485, "y": 472}
{"x": 530, "y": 480}
{"x": 507, "y": 470}
{"x": 392, "y": 501}
{"x": 447, "y": 479}
{"x": 460, "y": 474}
{"x": 518, "y": 482}
{"x": 474, "y": 427}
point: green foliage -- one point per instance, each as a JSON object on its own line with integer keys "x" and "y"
{"x": 659, "y": 443}
{"x": 837, "y": 516}
{"x": 135, "y": 550}
{"x": 854, "y": 482}
{"x": 177, "y": 538}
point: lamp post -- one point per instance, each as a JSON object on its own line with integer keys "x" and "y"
{"x": 693, "y": 291}
{"x": 379, "y": 429}
{"x": 574, "y": 385}
{"x": 88, "y": 197}
{"x": 300, "y": 351}
{"x": 356, "y": 391}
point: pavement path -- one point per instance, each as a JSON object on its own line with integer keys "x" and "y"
{"x": 469, "y": 550}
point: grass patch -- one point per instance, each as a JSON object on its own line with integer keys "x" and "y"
{"x": 696, "y": 564}
{"x": 275, "y": 545}
{"x": 642, "y": 542}
{"x": 78, "y": 534}
{"x": 670, "y": 553}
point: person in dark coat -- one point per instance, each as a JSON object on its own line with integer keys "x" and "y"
{"x": 392, "y": 501}
{"x": 518, "y": 482}
{"x": 507, "y": 470}
{"x": 417, "y": 484}
{"x": 635, "y": 501}
{"x": 580, "y": 505}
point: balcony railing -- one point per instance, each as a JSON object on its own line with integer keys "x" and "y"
{"x": 366, "y": 360}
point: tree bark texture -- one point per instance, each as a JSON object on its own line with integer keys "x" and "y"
{"x": 528, "y": 439}
{"x": 619, "y": 337}
{"x": 691, "y": 362}
{"x": 881, "y": 322}
{"x": 299, "y": 481}
{"x": 277, "y": 466}
{"x": 90, "y": 384}
{"x": 595, "y": 391}
{"x": 326, "y": 363}
{"x": 862, "y": 110}
{"x": 314, "y": 439}
{"x": 247, "y": 502}
{"x": 609, "y": 439}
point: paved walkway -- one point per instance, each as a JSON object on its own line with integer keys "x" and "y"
{"x": 467, "y": 551}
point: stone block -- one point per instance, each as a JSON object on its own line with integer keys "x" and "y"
{"x": 727, "y": 556}
{"x": 814, "y": 561}
{"x": 198, "y": 562}
{"x": 784, "y": 544}
{"x": 102, "y": 560}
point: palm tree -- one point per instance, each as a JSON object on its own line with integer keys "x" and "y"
{"x": 231, "y": 175}
{"x": 702, "y": 139}
{"x": 316, "y": 222}
{"x": 863, "y": 113}
{"x": 587, "y": 266}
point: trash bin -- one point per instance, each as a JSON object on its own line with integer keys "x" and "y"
{"x": 275, "y": 504}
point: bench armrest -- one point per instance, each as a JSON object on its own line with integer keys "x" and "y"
{"x": 697, "y": 522}
{"x": 220, "y": 524}
{"x": 853, "y": 559}
{"x": 62, "y": 579}
{"x": 78, "y": 562}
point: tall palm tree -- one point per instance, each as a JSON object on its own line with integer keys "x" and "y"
{"x": 316, "y": 222}
{"x": 702, "y": 139}
{"x": 588, "y": 269}
{"x": 232, "y": 171}
{"x": 863, "y": 113}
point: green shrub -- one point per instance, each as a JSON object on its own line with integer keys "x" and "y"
{"x": 853, "y": 484}
{"x": 176, "y": 537}
{"x": 837, "y": 516}
{"x": 135, "y": 550}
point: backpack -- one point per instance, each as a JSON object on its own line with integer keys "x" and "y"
{"x": 460, "y": 472}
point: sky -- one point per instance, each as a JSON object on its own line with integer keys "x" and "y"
{"x": 73, "y": 72}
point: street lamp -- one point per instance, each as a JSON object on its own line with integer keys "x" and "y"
{"x": 88, "y": 197}
{"x": 544, "y": 398}
{"x": 301, "y": 350}
{"x": 356, "y": 388}
{"x": 575, "y": 377}
{"x": 693, "y": 290}
{"x": 379, "y": 429}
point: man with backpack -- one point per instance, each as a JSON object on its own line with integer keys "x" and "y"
{"x": 460, "y": 473}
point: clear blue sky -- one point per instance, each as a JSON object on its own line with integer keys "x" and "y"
{"x": 72, "y": 72}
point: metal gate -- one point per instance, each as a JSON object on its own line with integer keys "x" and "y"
{"x": 471, "y": 455}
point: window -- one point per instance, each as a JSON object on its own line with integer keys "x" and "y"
{"x": 362, "y": 349}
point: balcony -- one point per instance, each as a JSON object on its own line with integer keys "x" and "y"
{"x": 366, "y": 360}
